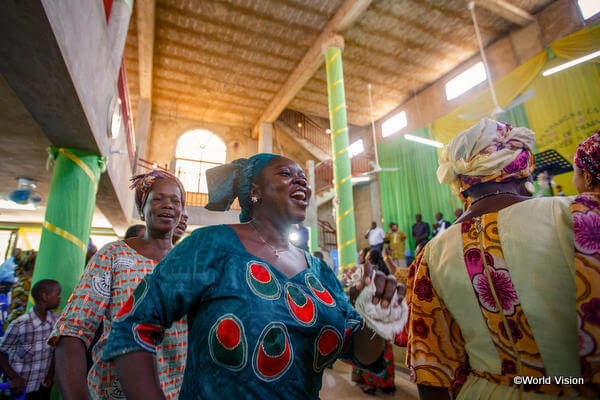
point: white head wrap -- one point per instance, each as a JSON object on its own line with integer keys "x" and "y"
{"x": 483, "y": 151}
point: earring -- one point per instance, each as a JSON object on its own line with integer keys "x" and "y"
{"x": 254, "y": 199}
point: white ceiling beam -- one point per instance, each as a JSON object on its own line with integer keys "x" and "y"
{"x": 507, "y": 11}
{"x": 346, "y": 15}
{"x": 145, "y": 36}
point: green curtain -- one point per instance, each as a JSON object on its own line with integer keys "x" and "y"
{"x": 414, "y": 187}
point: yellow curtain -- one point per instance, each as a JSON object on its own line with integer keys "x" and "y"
{"x": 511, "y": 85}
{"x": 507, "y": 89}
{"x": 565, "y": 111}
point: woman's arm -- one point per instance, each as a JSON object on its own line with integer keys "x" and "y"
{"x": 141, "y": 382}
{"x": 77, "y": 325}
{"x": 368, "y": 346}
{"x": 433, "y": 393}
{"x": 72, "y": 371}
{"x": 387, "y": 258}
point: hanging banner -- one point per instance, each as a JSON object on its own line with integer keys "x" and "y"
{"x": 565, "y": 111}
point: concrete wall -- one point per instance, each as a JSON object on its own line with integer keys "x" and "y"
{"x": 166, "y": 132}
{"x": 558, "y": 20}
{"x": 283, "y": 144}
{"x": 62, "y": 62}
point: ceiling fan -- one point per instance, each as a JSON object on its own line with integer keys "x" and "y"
{"x": 523, "y": 97}
{"x": 376, "y": 167}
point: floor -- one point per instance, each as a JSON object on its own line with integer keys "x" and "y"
{"x": 337, "y": 386}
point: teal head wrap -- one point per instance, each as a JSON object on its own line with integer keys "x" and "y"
{"x": 232, "y": 180}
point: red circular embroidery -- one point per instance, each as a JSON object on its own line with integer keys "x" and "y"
{"x": 328, "y": 342}
{"x": 228, "y": 333}
{"x": 260, "y": 273}
{"x": 271, "y": 366}
{"x": 126, "y": 309}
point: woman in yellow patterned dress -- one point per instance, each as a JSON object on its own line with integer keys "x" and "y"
{"x": 493, "y": 300}
{"x": 586, "y": 229}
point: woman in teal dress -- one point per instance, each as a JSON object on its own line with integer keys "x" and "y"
{"x": 265, "y": 318}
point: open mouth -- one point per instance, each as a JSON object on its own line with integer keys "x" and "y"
{"x": 300, "y": 198}
{"x": 299, "y": 195}
{"x": 166, "y": 215}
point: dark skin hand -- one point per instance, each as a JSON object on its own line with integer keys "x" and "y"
{"x": 283, "y": 195}
{"x": 433, "y": 393}
{"x": 162, "y": 213}
{"x": 16, "y": 382}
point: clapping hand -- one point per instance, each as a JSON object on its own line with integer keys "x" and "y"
{"x": 385, "y": 287}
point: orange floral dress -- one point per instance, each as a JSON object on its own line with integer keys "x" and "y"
{"x": 490, "y": 348}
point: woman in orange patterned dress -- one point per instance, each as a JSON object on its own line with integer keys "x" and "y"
{"x": 492, "y": 300}
{"x": 107, "y": 282}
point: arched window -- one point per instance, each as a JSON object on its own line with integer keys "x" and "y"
{"x": 197, "y": 151}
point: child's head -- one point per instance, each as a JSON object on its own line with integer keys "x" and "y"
{"x": 47, "y": 292}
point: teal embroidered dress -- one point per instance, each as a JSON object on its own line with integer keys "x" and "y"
{"x": 253, "y": 333}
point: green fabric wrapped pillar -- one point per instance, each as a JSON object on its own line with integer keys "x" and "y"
{"x": 313, "y": 239}
{"x": 342, "y": 173}
{"x": 68, "y": 220}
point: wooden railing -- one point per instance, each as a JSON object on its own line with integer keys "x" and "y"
{"x": 306, "y": 129}
{"x": 324, "y": 171}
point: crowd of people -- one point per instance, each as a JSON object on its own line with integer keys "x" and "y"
{"x": 510, "y": 290}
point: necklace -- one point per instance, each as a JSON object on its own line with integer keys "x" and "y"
{"x": 492, "y": 194}
{"x": 267, "y": 243}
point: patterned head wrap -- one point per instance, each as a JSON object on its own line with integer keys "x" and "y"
{"x": 587, "y": 156}
{"x": 232, "y": 180}
{"x": 142, "y": 184}
{"x": 487, "y": 152}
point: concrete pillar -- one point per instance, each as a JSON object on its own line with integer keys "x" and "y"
{"x": 342, "y": 172}
{"x": 69, "y": 211}
{"x": 142, "y": 127}
{"x": 265, "y": 138}
{"x": 311, "y": 221}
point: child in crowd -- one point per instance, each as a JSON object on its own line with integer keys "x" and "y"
{"x": 24, "y": 353}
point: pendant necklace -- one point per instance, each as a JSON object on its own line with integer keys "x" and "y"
{"x": 267, "y": 243}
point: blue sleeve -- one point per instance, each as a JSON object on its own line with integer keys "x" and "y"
{"x": 353, "y": 322}
{"x": 177, "y": 283}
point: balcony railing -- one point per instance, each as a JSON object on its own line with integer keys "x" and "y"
{"x": 193, "y": 198}
{"x": 324, "y": 171}
{"x": 306, "y": 129}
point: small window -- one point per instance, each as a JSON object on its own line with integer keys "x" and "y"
{"x": 465, "y": 81}
{"x": 589, "y": 8}
{"x": 356, "y": 148}
{"x": 394, "y": 124}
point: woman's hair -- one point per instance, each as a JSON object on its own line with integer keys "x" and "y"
{"x": 376, "y": 259}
